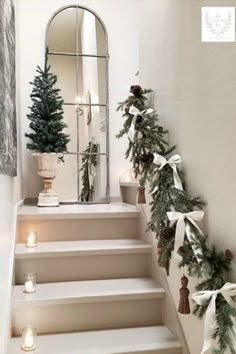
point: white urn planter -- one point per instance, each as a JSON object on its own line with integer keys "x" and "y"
{"x": 47, "y": 169}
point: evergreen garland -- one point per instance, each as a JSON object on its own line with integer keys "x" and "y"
{"x": 212, "y": 265}
{"x": 46, "y": 114}
{"x": 89, "y": 160}
{"x": 141, "y": 148}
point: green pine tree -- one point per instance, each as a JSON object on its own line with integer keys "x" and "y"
{"x": 46, "y": 114}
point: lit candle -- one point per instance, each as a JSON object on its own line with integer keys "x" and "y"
{"x": 30, "y": 283}
{"x": 29, "y": 341}
{"x": 29, "y": 287}
{"x": 28, "y": 337}
{"x": 31, "y": 239}
{"x": 127, "y": 178}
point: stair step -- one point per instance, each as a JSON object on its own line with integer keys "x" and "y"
{"x": 81, "y": 248}
{"x": 78, "y": 229}
{"x": 155, "y": 340}
{"x": 95, "y": 211}
{"x": 88, "y": 305}
{"x": 88, "y": 291}
{"x": 83, "y": 260}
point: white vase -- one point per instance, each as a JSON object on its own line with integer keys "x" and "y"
{"x": 47, "y": 169}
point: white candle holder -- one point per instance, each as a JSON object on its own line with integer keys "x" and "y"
{"x": 29, "y": 339}
{"x": 30, "y": 283}
{"x": 31, "y": 240}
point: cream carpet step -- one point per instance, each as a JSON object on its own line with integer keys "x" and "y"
{"x": 95, "y": 211}
{"x": 145, "y": 340}
{"x": 78, "y": 222}
{"x": 88, "y": 305}
{"x": 82, "y": 248}
{"x": 83, "y": 260}
{"x": 88, "y": 291}
{"x": 78, "y": 229}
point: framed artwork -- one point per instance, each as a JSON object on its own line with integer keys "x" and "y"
{"x": 8, "y": 135}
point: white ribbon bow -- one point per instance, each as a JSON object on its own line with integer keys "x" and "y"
{"x": 173, "y": 161}
{"x": 227, "y": 291}
{"x": 135, "y": 112}
{"x": 182, "y": 227}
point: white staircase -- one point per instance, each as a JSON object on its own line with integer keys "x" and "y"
{"x": 94, "y": 291}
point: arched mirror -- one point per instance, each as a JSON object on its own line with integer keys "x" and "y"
{"x": 78, "y": 54}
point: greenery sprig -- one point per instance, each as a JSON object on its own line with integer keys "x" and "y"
{"x": 212, "y": 265}
{"x": 89, "y": 161}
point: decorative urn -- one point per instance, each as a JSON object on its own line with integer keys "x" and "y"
{"x": 47, "y": 169}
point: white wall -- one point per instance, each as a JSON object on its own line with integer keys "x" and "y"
{"x": 195, "y": 94}
{"x": 10, "y": 196}
{"x": 118, "y": 15}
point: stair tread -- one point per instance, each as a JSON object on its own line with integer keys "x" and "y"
{"x": 88, "y": 247}
{"x": 154, "y": 339}
{"x": 112, "y": 210}
{"x": 88, "y": 291}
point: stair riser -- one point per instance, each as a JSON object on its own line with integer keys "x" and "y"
{"x": 61, "y": 269}
{"x": 88, "y": 316}
{"x": 80, "y": 229}
{"x": 154, "y": 351}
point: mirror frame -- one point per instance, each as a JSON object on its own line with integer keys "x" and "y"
{"x": 106, "y": 56}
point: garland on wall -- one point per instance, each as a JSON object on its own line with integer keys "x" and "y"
{"x": 175, "y": 218}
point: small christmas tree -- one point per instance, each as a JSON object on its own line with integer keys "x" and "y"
{"x": 46, "y": 116}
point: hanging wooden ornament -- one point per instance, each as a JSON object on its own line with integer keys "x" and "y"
{"x": 228, "y": 256}
{"x": 184, "y": 307}
{"x": 141, "y": 195}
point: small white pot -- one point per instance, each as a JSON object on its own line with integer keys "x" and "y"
{"x": 47, "y": 169}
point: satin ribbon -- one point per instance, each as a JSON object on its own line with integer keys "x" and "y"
{"x": 227, "y": 291}
{"x": 135, "y": 112}
{"x": 182, "y": 227}
{"x": 172, "y": 162}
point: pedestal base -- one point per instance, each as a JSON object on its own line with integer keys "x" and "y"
{"x": 48, "y": 199}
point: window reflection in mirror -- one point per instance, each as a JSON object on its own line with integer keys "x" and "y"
{"x": 78, "y": 55}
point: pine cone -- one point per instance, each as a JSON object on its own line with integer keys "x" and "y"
{"x": 162, "y": 230}
{"x": 228, "y": 255}
{"x": 151, "y": 157}
{"x": 147, "y": 158}
{"x": 160, "y": 251}
{"x": 144, "y": 158}
{"x": 139, "y": 119}
{"x": 166, "y": 232}
{"x": 136, "y": 90}
{"x": 126, "y": 109}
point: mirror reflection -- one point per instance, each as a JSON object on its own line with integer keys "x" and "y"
{"x": 78, "y": 55}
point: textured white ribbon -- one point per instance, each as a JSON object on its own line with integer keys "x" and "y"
{"x": 227, "y": 291}
{"x": 182, "y": 227}
{"x": 172, "y": 162}
{"x": 135, "y": 112}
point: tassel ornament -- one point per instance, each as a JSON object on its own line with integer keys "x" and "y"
{"x": 141, "y": 195}
{"x": 184, "y": 307}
